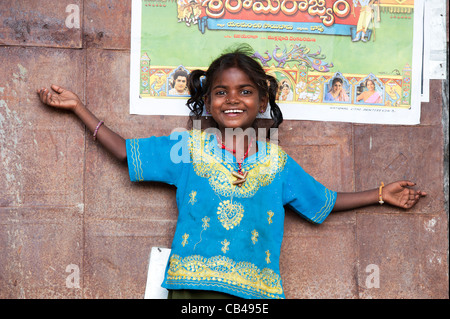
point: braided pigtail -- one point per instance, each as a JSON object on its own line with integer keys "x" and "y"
{"x": 196, "y": 103}
{"x": 275, "y": 111}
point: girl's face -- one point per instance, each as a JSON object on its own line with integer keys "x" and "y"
{"x": 370, "y": 86}
{"x": 234, "y": 100}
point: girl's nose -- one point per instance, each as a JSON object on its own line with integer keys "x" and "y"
{"x": 232, "y": 99}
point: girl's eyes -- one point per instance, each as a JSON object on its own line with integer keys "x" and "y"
{"x": 223, "y": 93}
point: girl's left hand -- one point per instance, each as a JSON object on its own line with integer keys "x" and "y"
{"x": 400, "y": 194}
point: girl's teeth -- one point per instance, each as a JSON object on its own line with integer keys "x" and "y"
{"x": 233, "y": 111}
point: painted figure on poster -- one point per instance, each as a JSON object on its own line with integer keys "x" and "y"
{"x": 158, "y": 83}
{"x": 179, "y": 83}
{"x": 393, "y": 95}
{"x": 369, "y": 94}
{"x": 337, "y": 92}
{"x": 310, "y": 92}
{"x": 366, "y": 16}
{"x": 286, "y": 93}
{"x": 188, "y": 11}
{"x": 196, "y": 10}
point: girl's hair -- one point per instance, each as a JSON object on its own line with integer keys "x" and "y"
{"x": 200, "y": 82}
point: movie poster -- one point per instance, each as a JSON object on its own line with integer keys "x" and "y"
{"x": 335, "y": 60}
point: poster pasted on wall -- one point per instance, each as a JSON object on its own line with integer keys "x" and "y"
{"x": 335, "y": 60}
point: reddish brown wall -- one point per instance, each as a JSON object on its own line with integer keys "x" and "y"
{"x": 65, "y": 202}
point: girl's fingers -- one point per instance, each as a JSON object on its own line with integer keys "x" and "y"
{"x": 46, "y": 96}
{"x": 42, "y": 95}
{"x": 49, "y": 98}
{"x": 406, "y": 183}
{"x": 57, "y": 88}
{"x": 42, "y": 92}
{"x": 422, "y": 193}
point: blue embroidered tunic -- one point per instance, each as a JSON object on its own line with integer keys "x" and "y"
{"x": 228, "y": 238}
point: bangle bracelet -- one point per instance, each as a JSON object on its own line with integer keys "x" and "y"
{"x": 96, "y": 130}
{"x": 380, "y": 194}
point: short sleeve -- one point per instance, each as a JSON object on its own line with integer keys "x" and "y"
{"x": 305, "y": 195}
{"x": 158, "y": 159}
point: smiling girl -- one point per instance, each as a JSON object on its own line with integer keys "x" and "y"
{"x": 233, "y": 189}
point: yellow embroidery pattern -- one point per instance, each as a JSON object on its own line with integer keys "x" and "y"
{"x": 205, "y": 221}
{"x": 225, "y": 243}
{"x": 218, "y": 172}
{"x": 326, "y": 208}
{"x": 269, "y": 219}
{"x": 136, "y": 160}
{"x": 220, "y": 271}
{"x": 267, "y": 257}
{"x": 205, "y": 225}
{"x": 192, "y": 197}
{"x": 255, "y": 236}
{"x": 185, "y": 238}
{"x": 230, "y": 214}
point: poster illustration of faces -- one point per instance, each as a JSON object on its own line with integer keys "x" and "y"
{"x": 335, "y": 60}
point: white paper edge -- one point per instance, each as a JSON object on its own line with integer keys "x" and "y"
{"x": 156, "y": 271}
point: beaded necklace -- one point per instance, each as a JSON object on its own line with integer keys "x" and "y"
{"x": 241, "y": 178}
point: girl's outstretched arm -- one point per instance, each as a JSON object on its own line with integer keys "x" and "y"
{"x": 396, "y": 194}
{"x": 67, "y": 100}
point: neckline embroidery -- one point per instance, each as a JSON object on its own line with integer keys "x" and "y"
{"x": 241, "y": 177}
{"x": 210, "y": 161}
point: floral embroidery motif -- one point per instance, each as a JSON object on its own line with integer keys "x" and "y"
{"x": 212, "y": 166}
{"x": 225, "y": 243}
{"x": 192, "y": 197}
{"x": 205, "y": 226}
{"x": 185, "y": 238}
{"x": 269, "y": 219}
{"x": 230, "y": 214}
{"x": 205, "y": 221}
{"x": 221, "y": 271}
{"x": 255, "y": 236}
{"x": 267, "y": 257}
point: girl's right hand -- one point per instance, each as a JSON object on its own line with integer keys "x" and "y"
{"x": 62, "y": 98}
{"x": 66, "y": 100}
